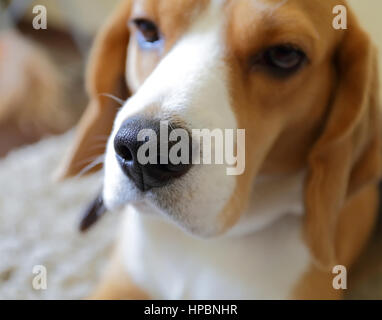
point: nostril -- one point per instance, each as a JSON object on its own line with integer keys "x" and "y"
{"x": 124, "y": 152}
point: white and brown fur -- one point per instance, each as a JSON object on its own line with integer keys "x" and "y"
{"x": 308, "y": 197}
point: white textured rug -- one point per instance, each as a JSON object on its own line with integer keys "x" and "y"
{"x": 38, "y": 226}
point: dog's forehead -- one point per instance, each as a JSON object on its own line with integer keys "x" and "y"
{"x": 172, "y": 9}
{"x": 312, "y": 18}
{"x": 186, "y": 8}
{"x": 184, "y": 11}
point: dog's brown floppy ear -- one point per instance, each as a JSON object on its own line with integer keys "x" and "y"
{"x": 346, "y": 158}
{"x": 105, "y": 75}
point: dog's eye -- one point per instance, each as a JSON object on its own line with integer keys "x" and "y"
{"x": 149, "y": 34}
{"x": 281, "y": 60}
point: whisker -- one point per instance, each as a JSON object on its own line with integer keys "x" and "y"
{"x": 116, "y": 99}
{"x": 170, "y": 125}
{"x": 89, "y": 159}
{"x": 91, "y": 165}
{"x": 101, "y": 138}
{"x": 97, "y": 146}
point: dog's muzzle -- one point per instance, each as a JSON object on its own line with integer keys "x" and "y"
{"x": 152, "y": 174}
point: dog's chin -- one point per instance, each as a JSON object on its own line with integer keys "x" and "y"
{"x": 193, "y": 202}
{"x": 177, "y": 212}
{"x": 165, "y": 203}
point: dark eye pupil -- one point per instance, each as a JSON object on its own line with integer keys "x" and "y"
{"x": 148, "y": 29}
{"x": 284, "y": 57}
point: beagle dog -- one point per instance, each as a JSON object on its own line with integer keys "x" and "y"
{"x": 306, "y": 95}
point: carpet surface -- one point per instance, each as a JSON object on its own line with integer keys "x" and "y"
{"x": 38, "y": 226}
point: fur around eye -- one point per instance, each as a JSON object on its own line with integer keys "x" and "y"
{"x": 281, "y": 60}
{"x": 148, "y": 33}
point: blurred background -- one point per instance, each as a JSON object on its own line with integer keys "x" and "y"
{"x": 41, "y": 99}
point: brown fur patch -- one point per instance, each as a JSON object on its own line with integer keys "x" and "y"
{"x": 292, "y": 119}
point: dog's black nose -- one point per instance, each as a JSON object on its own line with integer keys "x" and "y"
{"x": 146, "y": 165}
